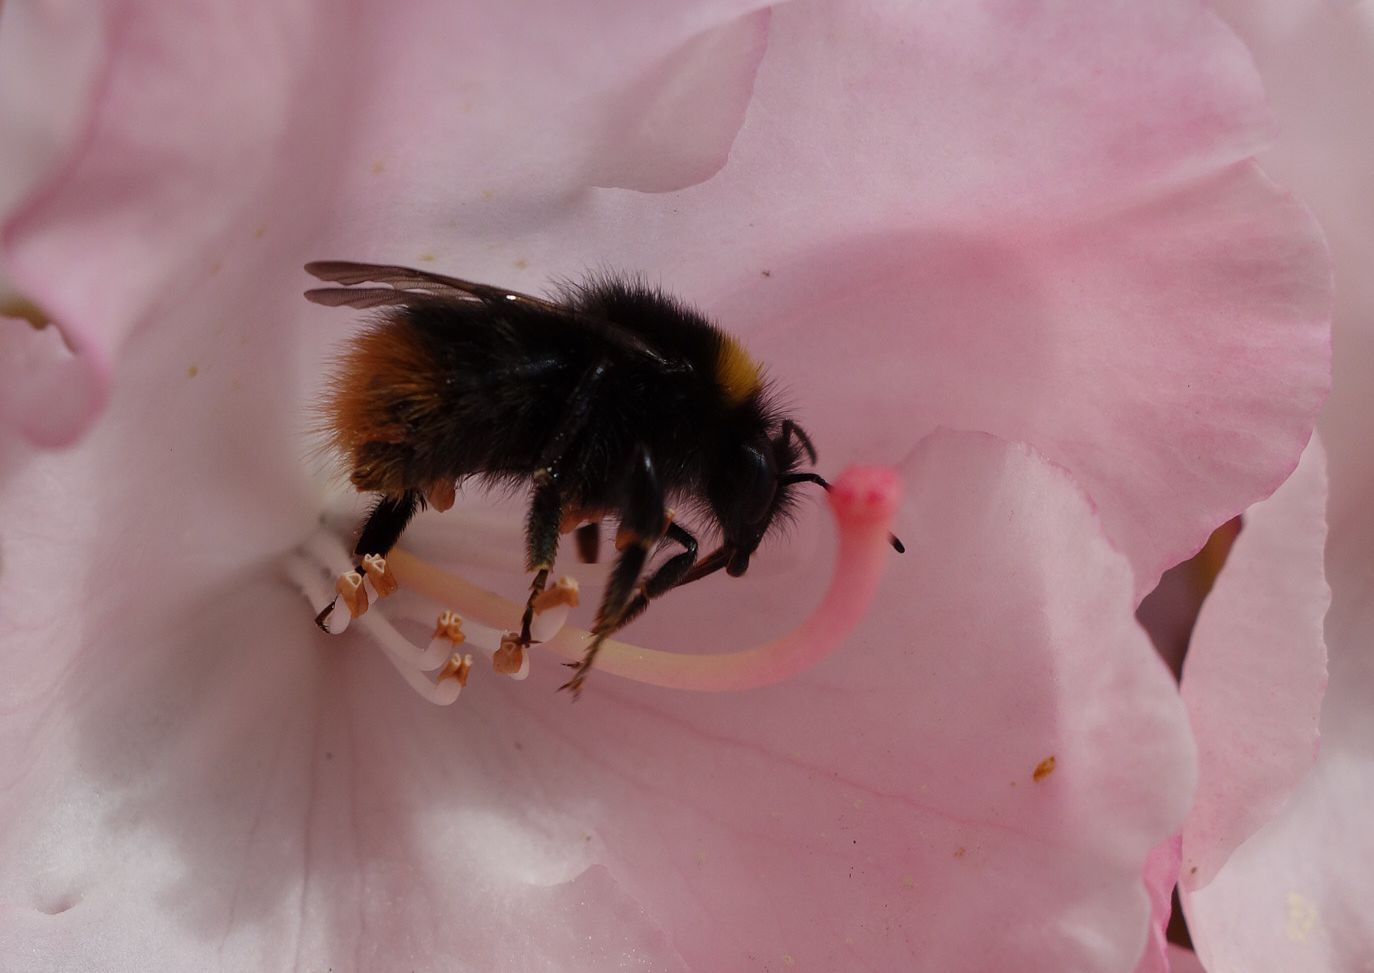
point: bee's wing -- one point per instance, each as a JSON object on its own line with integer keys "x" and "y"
{"x": 407, "y": 286}
{"x": 403, "y": 281}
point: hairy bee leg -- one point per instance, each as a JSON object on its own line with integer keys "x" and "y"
{"x": 541, "y": 541}
{"x": 381, "y": 531}
{"x": 546, "y": 505}
{"x": 668, "y": 576}
{"x": 642, "y": 527}
{"x": 386, "y": 523}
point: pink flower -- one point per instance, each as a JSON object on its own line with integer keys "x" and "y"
{"x": 1035, "y": 224}
{"x": 1282, "y": 845}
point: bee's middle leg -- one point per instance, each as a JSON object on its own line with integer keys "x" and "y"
{"x": 541, "y": 540}
{"x": 546, "y": 505}
{"x": 668, "y": 576}
{"x": 641, "y": 523}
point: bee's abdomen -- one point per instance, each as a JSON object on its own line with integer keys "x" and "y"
{"x": 415, "y": 401}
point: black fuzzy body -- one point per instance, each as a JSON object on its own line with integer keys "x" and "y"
{"x": 493, "y": 381}
{"x": 618, "y": 401}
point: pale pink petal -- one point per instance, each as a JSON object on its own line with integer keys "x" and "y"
{"x": 217, "y": 801}
{"x": 38, "y": 130}
{"x": 1161, "y": 875}
{"x": 44, "y": 392}
{"x": 685, "y": 113}
{"x": 229, "y": 790}
{"x": 213, "y": 128}
{"x": 1294, "y": 895}
{"x": 1079, "y": 258}
{"x": 883, "y": 810}
{"x": 1256, "y": 671}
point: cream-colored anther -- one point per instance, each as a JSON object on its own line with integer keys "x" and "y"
{"x": 563, "y": 592}
{"x": 383, "y": 581}
{"x": 351, "y": 592}
{"x": 509, "y": 658}
{"x": 457, "y": 667}
{"x": 450, "y": 627}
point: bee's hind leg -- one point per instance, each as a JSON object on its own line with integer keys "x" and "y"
{"x": 381, "y": 531}
{"x": 641, "y": 528}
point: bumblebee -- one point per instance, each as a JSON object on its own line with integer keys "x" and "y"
{"x": 618, "y": 401}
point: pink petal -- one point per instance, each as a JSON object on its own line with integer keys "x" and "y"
{"x": 1076, "y": 258}
{"x": 883, "y": 811}
{"x": 281, "y": 799}
{"x": 1292, "y": 896}
{"x": 1161, "y": 875}
{"x": 1256, "y": 671}
{"x": 45, "y": 394}
{"x": 684, "y": 115}
{"x": 44, "y": 99}
{"x": 227, "y": 799}
{"x": 180, "y": 165}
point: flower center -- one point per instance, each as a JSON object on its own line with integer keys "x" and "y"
{"x": 863, "y": 502}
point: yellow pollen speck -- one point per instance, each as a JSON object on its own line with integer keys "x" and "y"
{"x": 488, "y": 195}
{"x": 427, "y": 258}
{"x": 521, "y": 264}
{"x": 258, "y": 233}
{"x": 193, "y": 371}
{"x": 788, "y": 959}
{"x": 736, "y": 372}
{"x": 1302, "y": 917}
{"x": 25, "y": 310}
{"x": 378, "y": 167}
{"x": 908, "y": 882}
{"x": 1043, "y": 769}
{"x": 216, "y": 267}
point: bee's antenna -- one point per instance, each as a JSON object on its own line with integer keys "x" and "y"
{"x": 790, "y": 478}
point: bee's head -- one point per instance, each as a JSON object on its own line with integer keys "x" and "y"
{"x": 754, "y": 489}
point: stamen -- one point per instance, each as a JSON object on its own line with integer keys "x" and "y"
{"x": 404, "y": 657}
{"x": 383, "y": 581}
{"x": 552, "y": 607}
{"x": 351, "y": 592}
{"x": 511, "y": 659}
{"x": 562, "y": 592}
{"x": 456, "y": 669}
{"x": 323, "y": 555}
{"x": 863, "y": 502}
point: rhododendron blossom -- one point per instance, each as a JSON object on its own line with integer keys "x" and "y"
{"x": 1018, "y": 253}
